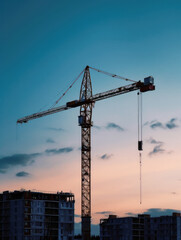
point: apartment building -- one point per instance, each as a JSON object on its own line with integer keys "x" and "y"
{"x": 28, "y": 215}
{"x": 143, "y": 227}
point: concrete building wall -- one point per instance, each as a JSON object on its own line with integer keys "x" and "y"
{"x": 142, "y": 227}
{"x": 66, "y": 220}
{"x": 16, "y": 218}
{"x": 26, "y": 215}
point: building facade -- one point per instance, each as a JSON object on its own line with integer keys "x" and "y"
{"x": 143, "y": 227}
{"x": 28, "y": 215}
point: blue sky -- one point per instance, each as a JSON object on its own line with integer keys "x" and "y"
{"x": 44, "y": 45}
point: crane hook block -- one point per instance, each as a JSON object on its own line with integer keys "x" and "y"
{"x": 140, "y": 145}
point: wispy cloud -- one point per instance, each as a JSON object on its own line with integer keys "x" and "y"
{"x": 130, "y": 214}
{"x": 156, "y": 124}
{"x": 173, "y": 193}
{"x": 55, "y": 129}
{"x": 106, "y": 156}
{"x": 96, "y": 127}
{"x": 171, "y": 124}
{"x": 109, "y": 126}
{"x": 158, "y": 148}
{"x": 24, "y": 160}
{"x": 155, "y": 212}
{"x": 22, "y": 174}
{"x": 59, "y": 151}
{"x": 114, "y": 126}
{"x": 107, "y": 213}
{"x": 50, "y": 140}
{"x": 17, "y": 160}
{"x": 153, "y": 141}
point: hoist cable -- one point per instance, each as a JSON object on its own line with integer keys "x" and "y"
{"x": 112, "y": 75}
{"x": 140, "y": 141}
{"x": 138, "y": 116}
{"x": 140, "y": 161}
{"x": 141, "y": 123}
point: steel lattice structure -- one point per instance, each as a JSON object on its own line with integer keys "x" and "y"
{"x": 85, "y": 121}
{"x": 85, "y": 102}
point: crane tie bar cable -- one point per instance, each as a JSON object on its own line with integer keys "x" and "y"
{"x": 113, "y": 75}
{"x": 67, "y": 89}
{"x": 98, "y": 70}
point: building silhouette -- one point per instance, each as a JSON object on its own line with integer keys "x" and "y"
{"x": 28, "y": 215}
{"x": 143, "y": 227}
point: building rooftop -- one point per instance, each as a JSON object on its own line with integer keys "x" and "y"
{"x": 28, "y": 194}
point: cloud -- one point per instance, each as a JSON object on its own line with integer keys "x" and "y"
{"x": 55, "y": 129}
{"x": 17, "y": 160}
{"x": 171, "y": 124}
{"x": 105, "y": 213}
{"x": 130, "y": 214}
{"x": 114, "y": 126}
{"x": 109, "y": 126}
{"x": 96, "y": 127}
{"x": 146, "y": 123}
{"x": 24, "y": 160}
{"x": 174, "y": 193}
{"x": 22, "y": 174}
{"x": 50, "y": 140}
{"x": 153, "y": 141}
{"x": 106, "y": 156}
{"x": 157, "y": 149}
{"x": 59, "y": 151}
{"x": 157, "y": 212}
{"x": 156, "y": 124}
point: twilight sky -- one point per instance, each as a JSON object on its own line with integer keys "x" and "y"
{"x": 44, "y": 45}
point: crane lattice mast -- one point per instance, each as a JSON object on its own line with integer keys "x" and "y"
{"x": 85, "y": 121}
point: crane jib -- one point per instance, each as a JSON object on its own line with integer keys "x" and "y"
{"x": 97, "y": 97}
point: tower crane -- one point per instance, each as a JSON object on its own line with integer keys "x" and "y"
{"x": 85, "y": 102}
